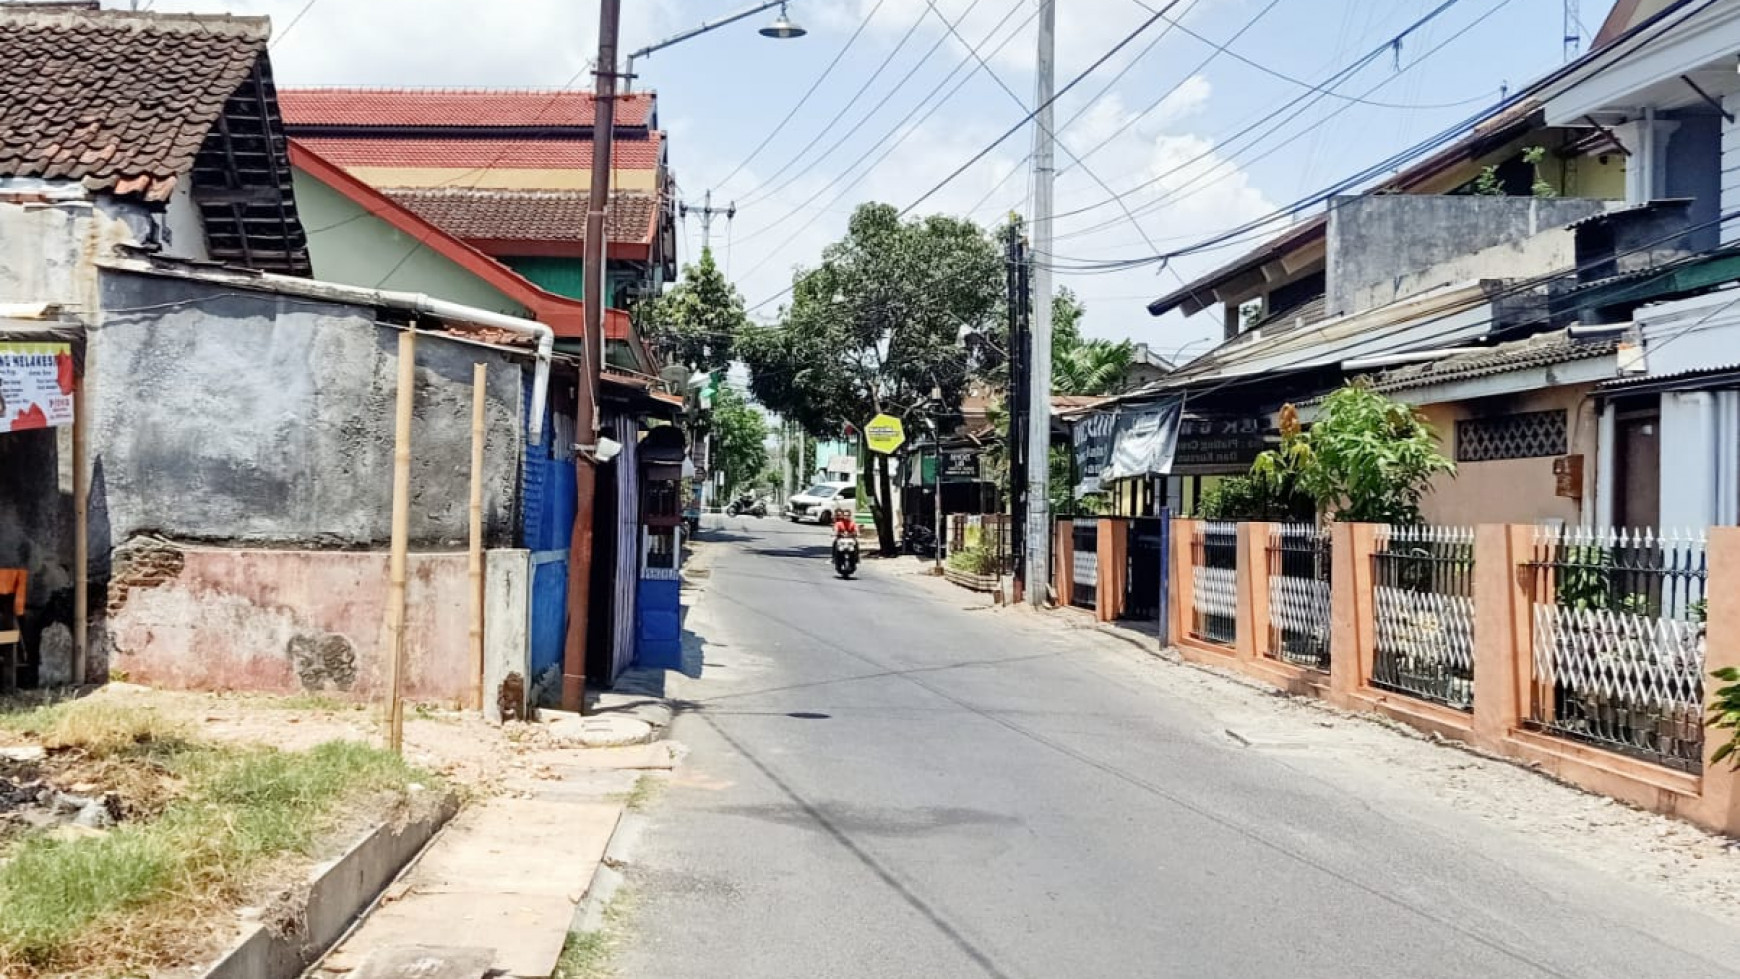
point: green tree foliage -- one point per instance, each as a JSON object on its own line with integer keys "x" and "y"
{"x": 697, "y": 323}
{"x": 1367, "y": 458}
{"x": 742, "y": 435}
{"x": 876, "y": 328}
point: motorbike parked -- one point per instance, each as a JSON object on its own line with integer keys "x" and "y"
{"x": 918, "y": 540}
{"x": 746, "y": 504}
{"x": 845, "y": 554}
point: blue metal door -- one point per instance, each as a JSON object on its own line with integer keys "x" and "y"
{"x": 547, "y": 525}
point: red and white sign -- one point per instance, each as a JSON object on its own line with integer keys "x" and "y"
{"x": 36, "y": 386}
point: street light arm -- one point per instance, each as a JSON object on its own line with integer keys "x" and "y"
{"x": 692, "y": 32}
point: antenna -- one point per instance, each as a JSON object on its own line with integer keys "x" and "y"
{"x": 1573, "y": 30}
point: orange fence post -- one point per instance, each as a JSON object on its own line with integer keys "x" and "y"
{"x": 1350, "y": 600}
{"x": 1253, "y": 591}
{"x": 1502, "y": 645}
{"x": 1720, "y": 802}
{"x": 1113, "y": 568}
{"x": 1183, "y": 582}
{"x": 1063, "y": 561}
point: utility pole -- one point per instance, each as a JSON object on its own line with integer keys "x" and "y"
{"x": 1039, "y": 343}
{"x": 591, "y": 365}
{"x": 707, "y": 212}
{"x": 1573, "y": 30}
{"x": 1018, "y": 393}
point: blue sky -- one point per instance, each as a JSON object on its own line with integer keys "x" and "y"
{"x": 721, "y": 94}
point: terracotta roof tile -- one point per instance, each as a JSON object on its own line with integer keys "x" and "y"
{"x": 500, "y": 154}
{"x": 121, "y": 101}
{"x": 453, "y": 107}
{"x": 528, "y": 215}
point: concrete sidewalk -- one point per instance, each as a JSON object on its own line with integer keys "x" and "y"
{"x": 496, "y": 891}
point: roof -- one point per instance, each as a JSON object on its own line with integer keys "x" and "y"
{"x": 528, "y": 215}
{"x": 485, "y": 153}
{"x": 120, "y": 101}
{"x": 1542, "y": 350}
{"x": 452, "y": 107}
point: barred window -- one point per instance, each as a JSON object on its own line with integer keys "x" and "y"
{"x": 1525, "y": 435}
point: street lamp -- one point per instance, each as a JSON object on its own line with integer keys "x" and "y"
{"x": 783, "y": 27}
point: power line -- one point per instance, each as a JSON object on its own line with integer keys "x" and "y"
{"x": 293, "y": 22}
{"x": 775, "y": 131}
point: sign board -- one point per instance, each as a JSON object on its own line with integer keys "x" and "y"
{"x": 1220, "y": 444}
{"x": 1125, "y": 443}
{"x": 36, "y": 386}
{"x": 1092, "y": 436}
{"x": 960, "y": 465}
{"x": 1568, "y": 476}
{"x": 884, "y": 434}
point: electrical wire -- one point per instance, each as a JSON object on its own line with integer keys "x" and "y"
{"x": 293, "y": 22}
{"x": 778, "y": 127}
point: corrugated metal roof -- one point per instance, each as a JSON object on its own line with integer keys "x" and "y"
{"x": 1543, "y": 350}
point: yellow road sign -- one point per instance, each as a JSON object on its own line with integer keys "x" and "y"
{"x": 884, "y": 434}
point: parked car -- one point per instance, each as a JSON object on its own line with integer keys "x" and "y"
{"x": 818, "y": 503}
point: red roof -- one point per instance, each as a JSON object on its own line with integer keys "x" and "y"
{"x": 453, "y": 107}
{"x": 528, "y": 215}
{"x": 509, "y": 154}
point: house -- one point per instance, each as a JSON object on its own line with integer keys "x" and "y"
{"x": 506, "y": 172}
{"x": 230, "y": 431}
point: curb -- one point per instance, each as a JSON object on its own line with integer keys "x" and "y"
{"x": 607, "y": 877}
{"x": 338, "y": 895}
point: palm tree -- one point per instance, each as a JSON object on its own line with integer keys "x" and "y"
{"x": 1092, "y": 367}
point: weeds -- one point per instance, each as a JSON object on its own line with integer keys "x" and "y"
{"x": 243, "y": 809}
{"x": 99, "y": 728}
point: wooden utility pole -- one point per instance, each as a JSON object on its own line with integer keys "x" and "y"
{"x": 82, "y": 523}
{"x": 475, "y": 565}
{"x": 591, "y": 365}
{"x": 401, "y": 537}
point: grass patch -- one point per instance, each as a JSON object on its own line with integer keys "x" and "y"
{"x": 646, "y": 789}
{"x": 312, "y": 701}
{"x": 127, "y": 900}
{"x": 98, "y": 728}
{"x": 589, "y": 954}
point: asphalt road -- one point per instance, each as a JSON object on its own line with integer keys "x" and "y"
{"x": 883, "y": 783}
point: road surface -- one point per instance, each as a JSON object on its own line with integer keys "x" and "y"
{"x": 884, "y": 783}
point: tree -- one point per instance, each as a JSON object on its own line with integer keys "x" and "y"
{"x": 697, "y": 323}
{"x": 875, "y": 329}
{"x": 1367, "y": 459}
{"x": 742, "y": 438}
{"x": 1092, "y": 367}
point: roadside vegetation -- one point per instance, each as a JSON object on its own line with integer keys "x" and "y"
{"x": 193, "y": 830}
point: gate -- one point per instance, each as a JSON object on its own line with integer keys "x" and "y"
{"x": 1144, "y": 589}
{"x": 546, "y": 528}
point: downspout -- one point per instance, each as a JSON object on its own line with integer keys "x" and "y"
{"x": 422, "y": 303}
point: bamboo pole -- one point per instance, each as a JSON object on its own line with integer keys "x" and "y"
{"x": 401, "y": 533}
{"x": 476, "y": 562}
{"x": 81, "y": 525}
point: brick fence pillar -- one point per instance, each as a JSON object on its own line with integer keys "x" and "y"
{"x": 1502, "y": 638}
{"x": 1350, "y": 600}
{"x": 1113, "y": 568}
{"x": 1063, "y": 561}
{"x": 1253, "y": 591}
{"x": 1720, "y": 804}
{"x": 1182, "y": 583}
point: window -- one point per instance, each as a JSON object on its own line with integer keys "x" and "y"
{"x": 849, "y": 493}
{"x": 1524, "y": 435}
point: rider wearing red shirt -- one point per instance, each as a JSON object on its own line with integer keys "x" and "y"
{"x": 844, "y": 524}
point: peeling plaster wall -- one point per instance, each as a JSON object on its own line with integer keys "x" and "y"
{"x": 261, "y": 420}
{"x": 283, "y": 621}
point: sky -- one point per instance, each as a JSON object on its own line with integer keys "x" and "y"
{"x": 1152, "y": 156}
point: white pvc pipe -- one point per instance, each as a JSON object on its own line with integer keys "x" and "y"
{"x": 1390, "y": 360}
{"x": 422, "y": 303}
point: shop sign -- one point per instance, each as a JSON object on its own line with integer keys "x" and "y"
{"x": 36, "y": 386}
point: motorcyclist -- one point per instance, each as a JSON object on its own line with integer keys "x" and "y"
{"x": 844, "y": 525}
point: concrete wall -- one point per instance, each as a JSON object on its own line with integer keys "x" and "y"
{"x": 283, "y": 621}
{"x": 348, "y": 245}
{"x": 252, "y": 419}
{"x": 52, "y": 233}
{"x": 1376, "y": 244}
{"x": 1694, "y": 170}
{"x": 1700, "y": 454}
{"x": 1511, "y": 490}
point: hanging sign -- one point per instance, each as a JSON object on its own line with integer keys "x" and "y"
{"x": 1092, "y": 436}
{"x": 1144, "y": 440}
{"x": 1220, "y": 444}
{"x": 884, "y": 434}
{"x": 36, "y": 386}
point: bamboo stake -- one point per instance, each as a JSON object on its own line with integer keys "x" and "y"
{"x": 476, "y": 563}
{"x": 401, "y": 533}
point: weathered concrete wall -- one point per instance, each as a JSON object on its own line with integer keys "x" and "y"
{"x": 1522, "y": 491}
{"x": 1379, "y": 244}
{"x": 52, "y": 233}
{"x": 252, "y": 419}
{"x": 285, "y": 621}
{"x": 507, "y": 638}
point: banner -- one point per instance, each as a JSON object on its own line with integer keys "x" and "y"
{"x": 1144, "y": 440}
{"x": 1092, "y": 436}
{"x": 36, "y": 386}
{"x": 1218, "y": 445}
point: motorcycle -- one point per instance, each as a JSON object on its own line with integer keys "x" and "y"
{"x": 746, "y": 504}
{"x": 845, "y": 555}
{"x": 918, "y": 540}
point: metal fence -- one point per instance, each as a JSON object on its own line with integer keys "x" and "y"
{"x": 1085, "y": 563}
{"x": 1424, "y": 610}
{"x": 988, "y": 531}
{"x": 1619, "y": 641}
{"x": 1299, "y": 613}
{"x": 1143, "y": 601}
{"x": 1214, "y": 563}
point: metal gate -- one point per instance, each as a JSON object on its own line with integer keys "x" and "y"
{"x": 1144, "y": 584}
{"x": 1085, "y": 565}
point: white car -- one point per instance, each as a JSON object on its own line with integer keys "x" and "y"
{"x": 818, "y": 503}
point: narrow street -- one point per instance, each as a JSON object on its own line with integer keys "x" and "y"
{"x": 884, "y": 782}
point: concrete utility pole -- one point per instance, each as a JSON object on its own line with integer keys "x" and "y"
{"x": 707, "y": 211}
{"x": 1039, "y": 353}
{"x": 591, "y": 365}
